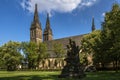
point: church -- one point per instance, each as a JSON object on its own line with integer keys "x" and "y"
{"x": 37, "y": 35}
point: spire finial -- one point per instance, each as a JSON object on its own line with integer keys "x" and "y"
{"x": 47, "y": 15}
{"x": 36, "y": 9}
{"x": 47, "y": 21}
{"x": 35, "y": 6}
{"x": 36, "y": 18}
{"x": 36, "y": 14}
{"x": 93, "y": 24}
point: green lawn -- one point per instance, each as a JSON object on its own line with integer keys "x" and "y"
{"x": 47, "y": 75}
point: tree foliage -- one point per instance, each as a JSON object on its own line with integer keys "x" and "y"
{"x": 34, "y": 53}
{"x": 110, "y": 35}
{"x": 105, "y": 44}
{"x": 42, "y": 52}
{"x": 58, "y": 50}
{"x": 30, "y": 52}
{"x": 73, "y": 68}
{"x": 10, "y": 55}
{"x": 89, "y": 44}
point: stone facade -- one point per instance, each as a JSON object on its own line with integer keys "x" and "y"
{"x": 36, "y": 29}
{"x": 36, "y": 36}
{"x": 52, "y": 63}
{"x": 36, "y": 33}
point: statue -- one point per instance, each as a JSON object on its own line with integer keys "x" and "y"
{"x": 73, "y": 66}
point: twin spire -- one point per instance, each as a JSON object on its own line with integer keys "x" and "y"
{"x": 36, "y": 29}
{"x": 36, "y": 19}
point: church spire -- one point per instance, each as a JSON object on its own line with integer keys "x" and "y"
{"x": 48, "y": 28}
{"x": 36, "y": 18}
{"x": 36, "y": 23}
{"x": 48, "y": 31}
{"x": 48, "y": 22}
{"x": 93, "y": 24}
{"x": 36, "y": 29}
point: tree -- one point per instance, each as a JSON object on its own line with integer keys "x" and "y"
{"x": 105, "y": 46}
{"x": 34, "y": 53}
{"x": 90, "y": 46}
{"x": 11, "y": 56}
{"x": 110, "y": 35}
{"x": 73, "y": 67}
{"x": 58, "y": 50}
{"x": 2, "y": 62}
{"x": 42, "y": 52}
{"x": 30, "y": 51}
{"x": 83, "y": 58}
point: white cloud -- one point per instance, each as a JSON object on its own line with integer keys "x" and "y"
{"x": 103, "y": 14}
{"x": 23, "y": 4}
{"x": 87, "y": 2}
{"x": 55, "y": 5}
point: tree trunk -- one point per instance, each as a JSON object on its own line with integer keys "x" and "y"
{"x": 116, "y": 66}
{"x": 103, "y": 66}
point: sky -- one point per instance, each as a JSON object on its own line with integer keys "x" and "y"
{"x": 67, "y": 17}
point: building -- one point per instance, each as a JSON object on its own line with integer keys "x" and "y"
{"x": 37, "y": 36}
{"x": 36, "y": 29}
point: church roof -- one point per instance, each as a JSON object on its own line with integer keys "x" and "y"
{"x": 63, "y": 41}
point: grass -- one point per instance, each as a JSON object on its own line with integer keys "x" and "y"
{"x": 49, "y": 75}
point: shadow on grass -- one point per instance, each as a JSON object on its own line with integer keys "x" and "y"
{"x": 108, "y": 75}
{"x": 33, "y": 77}
{"x": 89, "y": 76}
{"x": 36, "y": 77}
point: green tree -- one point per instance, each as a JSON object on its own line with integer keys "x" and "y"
{"x": 11, "y": 56}
{"x": 34, "y": 53}
{"x": 58, "y": 50}
{"x": 73, "y": 66}
{"x": 105, "y": 45}
{"x": 2, "y": 62}
{"x": 42, "y": 52}
{"x": 110, "y": 35}
{"x": 30, "y": 51}
{"x": 90, "y": 46}
{"x": 83, "y": 58}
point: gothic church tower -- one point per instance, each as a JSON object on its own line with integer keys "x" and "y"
{"x": 47, "y": 35}
{"x": 35, "y": 29}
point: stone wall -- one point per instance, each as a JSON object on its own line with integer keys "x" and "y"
{"x": 51, "y": 63}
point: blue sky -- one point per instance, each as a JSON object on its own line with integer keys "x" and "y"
{"x": 69, "y": 18}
